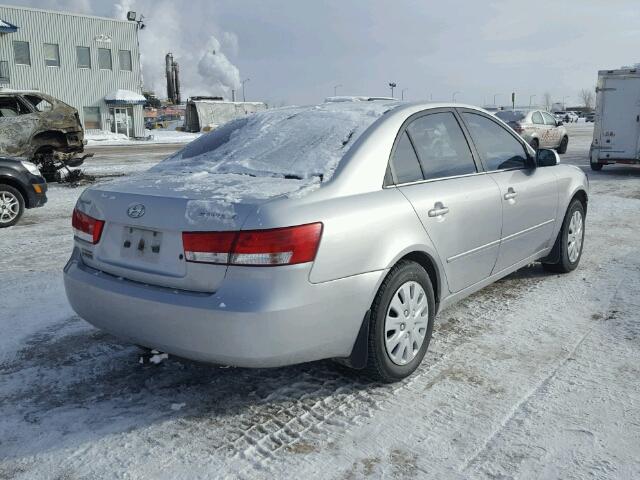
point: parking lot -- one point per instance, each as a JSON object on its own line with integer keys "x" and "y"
{"x": 535, "y": 376}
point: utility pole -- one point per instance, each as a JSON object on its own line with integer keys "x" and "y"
{"x": 335, "y": 89}
{"x": 402, "y": 93}
{"x": 233, "y": 95}
{"x": 392, "y": 85}
{"x": 453, "y": 96}
{"x": 564, "y": 107}
{"x": 243, "y": 82}
{"x": 513, "y": 100}
{"x": 531, "y": 97}
{"x": 494, "y": 98}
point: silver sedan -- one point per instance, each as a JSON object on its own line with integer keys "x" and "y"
{"x": 332, "y": 231}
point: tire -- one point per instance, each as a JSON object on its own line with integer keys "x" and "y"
{"x": 564, "y": 143}
{"x": 567, "y": 259}
{"x": 388, "y": 364}
{"x": 11, "y": 206}
{"x": 535, "y": 144}
{"x": 596, "y": 167}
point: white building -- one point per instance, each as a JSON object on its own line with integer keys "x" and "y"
{"x": 91, "y": 63}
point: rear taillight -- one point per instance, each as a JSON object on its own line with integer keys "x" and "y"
{"x": 277, "y": 246}
{"x": 86, "y": 227}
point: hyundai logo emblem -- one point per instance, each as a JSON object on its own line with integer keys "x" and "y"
{"x": 136, "y": 211}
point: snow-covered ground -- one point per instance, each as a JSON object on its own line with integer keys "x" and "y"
{"x": 536, "y": 376}
{"x": 157, "y": 136}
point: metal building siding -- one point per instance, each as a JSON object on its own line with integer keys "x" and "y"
{"x": 76, "y": 86}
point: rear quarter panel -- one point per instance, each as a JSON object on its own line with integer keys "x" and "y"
{"x": 361, "y": 233}
{"x": 571, "y": 180}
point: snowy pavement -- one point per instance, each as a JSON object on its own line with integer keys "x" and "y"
{"x": 536, "y": 376}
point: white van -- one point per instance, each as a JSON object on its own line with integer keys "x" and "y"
{"x": 617, "y": 122}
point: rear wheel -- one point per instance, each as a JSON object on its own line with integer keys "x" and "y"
{"x": 401, "y": 323}
{"x": 570, "y": 240}
{"x": 563, "y": 145}
{"x": 596, "y": 166}
{"x": 11, "y": 206}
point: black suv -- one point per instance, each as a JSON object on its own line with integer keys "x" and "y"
{"x": 21, "y": 186}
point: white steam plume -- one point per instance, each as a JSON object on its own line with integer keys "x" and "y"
{"x": 187, "y": 31}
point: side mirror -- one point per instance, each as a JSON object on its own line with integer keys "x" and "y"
{"x": 547, "y": 158}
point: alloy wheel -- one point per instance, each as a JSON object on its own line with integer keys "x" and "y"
{"x": 9, "y": 207}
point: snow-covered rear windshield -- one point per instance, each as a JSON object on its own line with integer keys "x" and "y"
{"x": 296, "y": 142}
{"x": 510, "y": 115}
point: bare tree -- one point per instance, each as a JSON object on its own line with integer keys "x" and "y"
{"x": 587, "y": 97}
{"x": 546, "y": 98}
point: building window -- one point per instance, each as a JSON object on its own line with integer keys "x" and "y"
{"x": 124, "y": 58}
{"x": 51, "y": 55}
{"x": 92, "y": 119}
{"x": 104, "y": 59}
{"x": 84, "y": 57}
{"x": 21, "y": 54}
{"x": 4, "y": 71}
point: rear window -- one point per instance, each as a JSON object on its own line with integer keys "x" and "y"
{"x": 510, "y": 115}
{"x": 296, "y": 142}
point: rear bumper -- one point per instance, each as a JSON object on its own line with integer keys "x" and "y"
{"x": 259, "y": 318}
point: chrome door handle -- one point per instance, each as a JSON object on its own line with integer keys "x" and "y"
{"x": 511, "y": 194}
{"x": 438, "y": 210}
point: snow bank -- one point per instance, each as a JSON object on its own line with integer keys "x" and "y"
{"x": 103, "y": 137}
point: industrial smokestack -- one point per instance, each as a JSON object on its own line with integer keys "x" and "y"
{"x": 176, "y": 81}
{"x": 171, "y": 91}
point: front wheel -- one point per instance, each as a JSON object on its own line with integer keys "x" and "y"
{"x": 570, "y": 240}
{"x": 11, "y": 206}
{"x": 402, "y": 317}
{"x": 563, "y": 145}
{"x": 596, "y": 167}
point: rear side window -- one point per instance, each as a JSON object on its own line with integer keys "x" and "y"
{"x": 537, "y": 118}
{"x": 405, "y": 162}
{"x": 497, "y": 147}
{"x": 442, "y": 149}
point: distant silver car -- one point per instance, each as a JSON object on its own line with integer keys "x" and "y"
{"x": 332, "y": 231}
{"x": 539, "y": 129}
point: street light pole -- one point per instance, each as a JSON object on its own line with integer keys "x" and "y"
{"x": 531, "y": 97}
{"x": 392, "y": 85}
{"x": 402, "y": 93}
{"x": 564, "y": 107}
{"x": 494, "y": 98}
{"x": 243, "y": 82}
{"x": 335, "y": 89}
{"x": 453, "y": 96}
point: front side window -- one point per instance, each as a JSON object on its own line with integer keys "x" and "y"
{"x": 404, "y": 162}
{"x": 537, "y": 118}
{"x": 104, "y": 58}
{"x": 548, "y": 119}
{"x": 21, "y": 53}
{"x": 124, "y": 59}
{"x": 51, "y": 55}
{"x": 441, "y": 147}
{"x": 498, "y": 148}
{"x": 84, "y": 57}
{"x": 39, "y": 103}
{"x": 92, "y": 120}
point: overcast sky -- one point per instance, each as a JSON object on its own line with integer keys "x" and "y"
{"x": 297, "y": 51}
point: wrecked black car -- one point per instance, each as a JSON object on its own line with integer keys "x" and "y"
{"x": 42, "y": 129}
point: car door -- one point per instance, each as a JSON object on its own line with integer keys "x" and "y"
{"x": 541, "y": 129}
{"x": 458, "y": 206}
{"x": 555, "y": 133}
{"x": 17, "y": 123}
{"x": 529, "y": 195}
